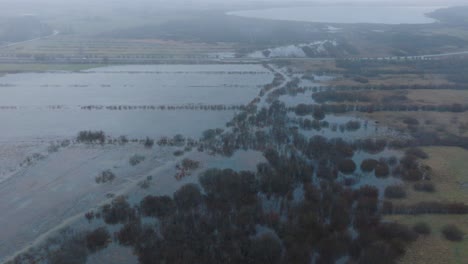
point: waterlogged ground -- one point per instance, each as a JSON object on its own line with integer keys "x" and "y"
{"x": 336, "y": 128}
{"x": 55, "y": 188}
{"x": 43, "y": 190}
{"x": 46, "y": 124}
{"x": 136, "y": 85}
{"x": 62, "y": 187}
{"x": 58, "y": 187}
{"x": 36, "y": 108}
{"x": 51, "y": 104}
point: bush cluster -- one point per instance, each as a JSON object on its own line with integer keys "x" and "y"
{"x": 424, "y": 187}
{"x": 395, "y": 192}
{"x": 422, "y": 228}
{"x": 105, "y": 176}
{"x": 136, "y": 159}
{"x": 452, "y": 233}
{"x": 91, "y": 137}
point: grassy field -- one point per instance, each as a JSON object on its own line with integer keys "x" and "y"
{"x": 423, "y": 96}
{"x": 79, "y": 46}
{"x": 443, "y": 123}
{"x": 434, "y": 248}
{"x": 449, "y": 174}
{"x": 83, "y": 29}
{"x": 438, "y": 96}
{"x": 450, "y": 167}
{"x": 396, "y": 79}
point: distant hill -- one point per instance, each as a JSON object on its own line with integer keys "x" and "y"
{"x": 223, "y": 28}
{"x": 452, "y": 15}
{"x": 23, "y": 28}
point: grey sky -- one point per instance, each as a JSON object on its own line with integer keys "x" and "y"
{"x": 41, "y": 7}
{"x": 393, "y": 2}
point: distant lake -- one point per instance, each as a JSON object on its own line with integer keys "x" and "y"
{"x": 346, "y": 14}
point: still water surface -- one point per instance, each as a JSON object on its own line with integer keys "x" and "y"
{"x": 44, "y": 105}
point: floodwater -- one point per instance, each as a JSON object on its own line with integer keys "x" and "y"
{"x": 24, "y": 125}
{"x": 136, "y": 85}
{"x": 37, "y": 108}
{"x": 346, "y": 14}
{"x": 53, "y": 192}
{"x": 42, "y": 105}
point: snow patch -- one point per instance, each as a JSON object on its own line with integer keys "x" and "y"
{"x": 316, "y": 48}
{"x": 332, "y": 29}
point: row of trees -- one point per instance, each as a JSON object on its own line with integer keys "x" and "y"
{"x": 341, "y": 96}
{"x": 431, "y": 207}
{"x": 99, "y": 137}
{"x": 91, "y": 137}
{"x": 194, "y": 107}
{"x": 392, "y": 87}
{"x": 303, "y": 109}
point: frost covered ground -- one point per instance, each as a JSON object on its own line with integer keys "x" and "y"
{"x": 55, "y": 193}
{"x": 44, "y": 195}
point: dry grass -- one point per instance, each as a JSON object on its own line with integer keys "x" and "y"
{"x": 450, "y": 172}
{"x": 379, "y": 96}
{"x": 449, "y": 175}
{"x": 450, "y": 167}
{"x": 396, "y": 79}
{"x": 438, "y": 96}
{"x": 434, "y": 249}
{"x": 84, "y": 46}
{"x": 441, "y": 123}
{"x": 417, "y": 97}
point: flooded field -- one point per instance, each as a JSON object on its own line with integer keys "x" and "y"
{"x": 58, "y": 184}
{"x": 254, "y": 132}
{"x": 40, "y": 111}
{"x": 43, "y": 125}
{"x": 136, "y": 85}
{"x": 125, "y": 100}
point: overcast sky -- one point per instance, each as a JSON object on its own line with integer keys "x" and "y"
{"x": 35, "y": 6}
{"x": 251, "y": 1}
